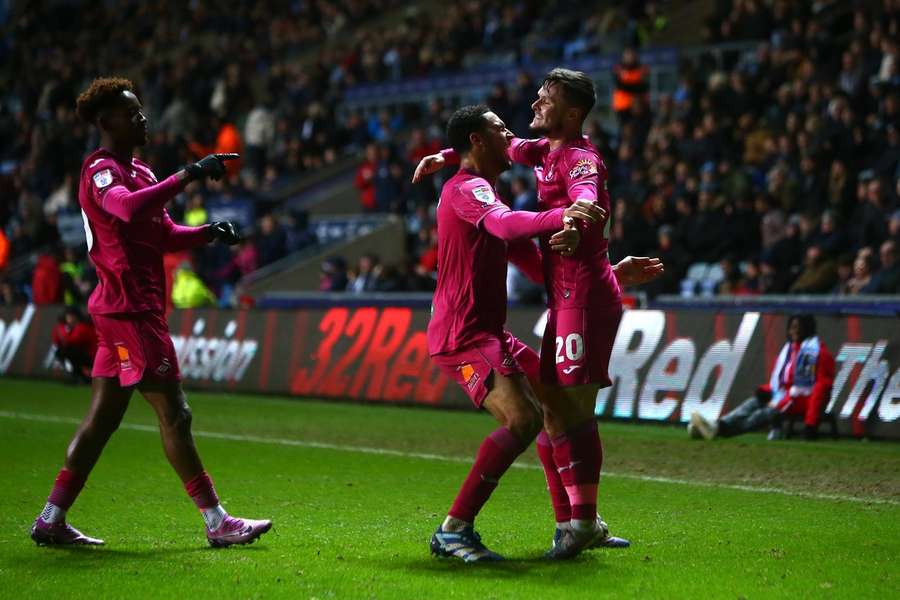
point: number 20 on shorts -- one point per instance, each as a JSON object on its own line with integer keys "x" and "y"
{"x": 573, "y": 346}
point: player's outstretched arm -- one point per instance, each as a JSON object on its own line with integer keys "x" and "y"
{"x": 182, "y": 237}
{"x": 511, "y": 225}
{"x": 635, "y": 270}
{"x": 125, "y": 204}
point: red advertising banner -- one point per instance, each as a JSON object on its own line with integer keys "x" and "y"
{"x": 665, "y": 364}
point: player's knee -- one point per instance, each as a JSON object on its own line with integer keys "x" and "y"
{"x": 179, "y": 419}
{"x": 525, "y": 423}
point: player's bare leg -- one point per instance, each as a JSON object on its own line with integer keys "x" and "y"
{"x": 576, "y": 450}
{"x": 513, "y": 403}
{"x": 109, "y": 401}
{"x": 168, "y": 400}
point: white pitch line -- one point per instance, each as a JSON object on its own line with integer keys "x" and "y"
{"x": 454, "y": 459}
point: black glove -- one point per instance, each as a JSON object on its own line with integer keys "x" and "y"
{"x": 212, "y": 166}
{"x": 224, "y": 232}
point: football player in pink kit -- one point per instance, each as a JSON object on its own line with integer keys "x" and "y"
{"x": 477, "y": 234}
{"x": 128, "y": 230}
{"x": 584, "y": 302}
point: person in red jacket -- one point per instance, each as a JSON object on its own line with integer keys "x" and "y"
{"x": 46, "y": 283}
{"x": 800, "y": 385}
{"x": 76, "y": 344}
{"x": 364, "y": 180}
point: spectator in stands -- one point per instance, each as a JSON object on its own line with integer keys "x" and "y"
{"x": 800, "y": 386}
{"x": 195, "y": 212}
{"x": 844, "y": 274}
{"x": 523, "y": 198}
{"x": 630, "y": 84}
{"x": 863, "y": 267}
{"x": 868, "y": 225}
{"x": 886, "y": 280}
{"x": 676, "y": 259}
{"x": 270, "y": 241}
{"x": 819, "y": 274}
{"x": 364, "y": 279}
{"x": 75, "y": 343}
{"x": 333, "y": 275}
{"x": 188, "y": 290}
{"x": 364, "y": 180}
{"x": 4, "y": 251}
{"x": 46, "y": 283}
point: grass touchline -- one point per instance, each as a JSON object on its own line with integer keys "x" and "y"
{"x": 454, "y": 459}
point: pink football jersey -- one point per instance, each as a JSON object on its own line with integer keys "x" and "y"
{"x": 128, "y": 255}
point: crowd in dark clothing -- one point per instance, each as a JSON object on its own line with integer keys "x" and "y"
{"x": 781, "y": 167}
{"x": 263, "y": 79}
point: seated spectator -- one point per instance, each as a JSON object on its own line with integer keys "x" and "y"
{"x": 188, "y": 290}
{"x": 800, "y": 385}
{"x": 75, "y": 343}
{"x": 844, "y": 274}
{"x": 366, "y": 274}
{"x": 270, "y": 242}
{"x": 333, "y": 275}
{"x": 885, "y": 280}
{"x": 863, "y": 267}
{"x": 819, "y": 273}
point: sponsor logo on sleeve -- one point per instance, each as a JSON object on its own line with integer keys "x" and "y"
{"x": 583, "y": 168}
{"x": 484, "y": 194}
{"x": 103, "y": 178}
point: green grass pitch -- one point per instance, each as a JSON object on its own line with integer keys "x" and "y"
{"x": 355, "y": 492}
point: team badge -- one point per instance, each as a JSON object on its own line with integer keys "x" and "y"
{"x": 103, "y": 178}
{"x": 582, "y": 168}
{"x": 484, "y": 194}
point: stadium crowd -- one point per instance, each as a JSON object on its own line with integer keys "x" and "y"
{"x": 780, "y": 170}
{"x": 780, "y": 167}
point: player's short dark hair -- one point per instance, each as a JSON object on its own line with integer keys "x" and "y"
{"x": 464, "y": 122}
{"x": 577, "y": 88}
{"x": 101, "y": 94}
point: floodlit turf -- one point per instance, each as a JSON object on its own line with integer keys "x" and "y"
{"x": 353, "y": 523}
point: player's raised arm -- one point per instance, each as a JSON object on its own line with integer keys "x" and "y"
{"x": 117, "y": 200}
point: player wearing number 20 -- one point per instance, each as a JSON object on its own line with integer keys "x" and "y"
{"x": 584, "y": 301}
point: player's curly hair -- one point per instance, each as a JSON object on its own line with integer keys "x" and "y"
{"x": 103, "y": 92}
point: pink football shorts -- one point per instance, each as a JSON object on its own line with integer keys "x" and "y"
{"x": 471, "y": 367}
{"x": 130, "y": 344}
{"x": 577, "y": 346}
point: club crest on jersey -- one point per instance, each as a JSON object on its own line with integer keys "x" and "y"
{"x": 484, "y": 194}
{"x": 103, "y": 178}
{"x": 582, "y": 168}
